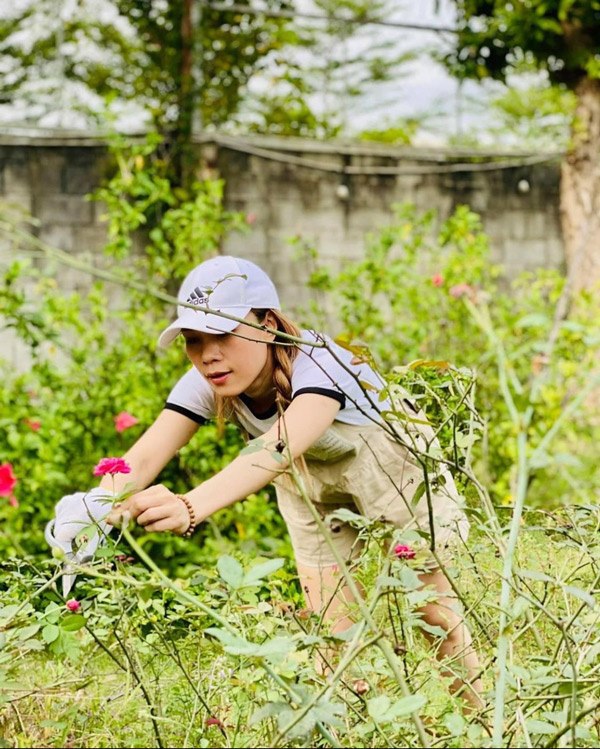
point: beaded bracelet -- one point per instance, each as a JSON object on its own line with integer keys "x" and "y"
{"x": 192, "y": 526}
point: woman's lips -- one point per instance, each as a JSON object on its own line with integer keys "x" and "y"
{"x": 218, "y": 378}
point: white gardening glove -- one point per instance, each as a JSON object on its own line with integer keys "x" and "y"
{"x": 78, "y": 528}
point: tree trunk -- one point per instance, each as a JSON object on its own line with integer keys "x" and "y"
{"x": 580, "y": 190}
{"x": 184, "y": 160}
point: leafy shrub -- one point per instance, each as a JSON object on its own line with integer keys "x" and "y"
{"x": 420, "y": 295}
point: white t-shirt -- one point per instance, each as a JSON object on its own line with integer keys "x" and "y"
{"x": 314, "y": 370}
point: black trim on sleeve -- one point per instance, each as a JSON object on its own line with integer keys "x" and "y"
{"x": 186, "y": 412}
{"x": 335, "y": 394}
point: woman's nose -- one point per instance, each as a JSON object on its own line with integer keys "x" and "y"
{"x": 211, "y": 352}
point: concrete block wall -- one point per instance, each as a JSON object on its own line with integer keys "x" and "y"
{"x": 276, "y": 182}
{"x": 292, "y": 201}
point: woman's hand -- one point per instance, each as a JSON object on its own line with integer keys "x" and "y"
{"x": 155, "y": 509}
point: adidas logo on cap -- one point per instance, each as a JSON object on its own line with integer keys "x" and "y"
{"x": 198, "y": 297}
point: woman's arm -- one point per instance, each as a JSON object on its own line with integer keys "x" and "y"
{"x": 153, "y": 450}
{"x": 303, "y": 422}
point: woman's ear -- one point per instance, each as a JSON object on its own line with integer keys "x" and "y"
{"x": 271, "y": 322}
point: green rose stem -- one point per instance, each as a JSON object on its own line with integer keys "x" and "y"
{"x": 193, "y": 601}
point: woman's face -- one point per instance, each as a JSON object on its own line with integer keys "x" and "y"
{"x": 236, "y": 362}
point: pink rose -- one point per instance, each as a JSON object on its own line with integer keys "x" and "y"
{"x": 404, "y": 552}
{"x": 212, "y": 721}
{"x": 437, "y": 279}
{"x": 125, "y": 420}
{"x": 462, "y": 289}
{"x": 33, "y": 424}
{"x": 250, "y": 218}
{"x": 111, "y": 466}
{"x": 8, "y": 480}
{"x": 73, "y": 605}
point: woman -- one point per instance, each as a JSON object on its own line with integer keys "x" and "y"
{"x": 307, "y": 404}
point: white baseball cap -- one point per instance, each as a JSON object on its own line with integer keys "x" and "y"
{"x": 224, "y": 284}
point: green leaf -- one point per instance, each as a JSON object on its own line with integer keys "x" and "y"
{"x": 535, "y": 575}
{"x": 455, "y": 723}
{"x": 377, "y": 707}
{"x": 433, "y": 629}
{"x": 464, "y": 441}
{"x": 233, "y": 643}
{"x": 419, "y": 492}
{"x": 32, "y": 645}
{"x": 583, "y": 595}
{"x": 270, "y": 710}
{"x": 86, "y": 534}
{"x": 386, "y": 581}
{"x": 257, "y": 573}
{"x": 52, "y": 612}
{"x": 346, "y": 634}
{"x": 368, "y": 386}
{"x": 430, "y": 363}
{"x": 278, "y": 647}
{"x": 409, "y": 578}
{"x": 50, "y": 632}
{"x": 407, "y": 705}
{"x": 539, "y": 726}
{"x": 327, "y": 712}
{"x": 7, "y": 612}
{"x": 230, "y": 570}
{"x": 55, "y": 724}
{"x": 347, "y": 516}
{"x": 254, "y": 446}
{"x": 236, "y": 645}
{"x": 381, "y": 710}
{"x": 360, "y": 350}
{"x": 303, "y": 727}
{"x": 520, "y": 607}
{"x": 73, "y": 623}
{"x": 24, "y": 633}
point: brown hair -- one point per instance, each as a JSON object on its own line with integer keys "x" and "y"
{"x": 284, "y": 352}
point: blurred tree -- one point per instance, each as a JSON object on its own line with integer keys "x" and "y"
{"x": 561, "y": 37}
{"x": 346, "y": 56}
{"x": 180, "y": 65}
{"x": 528, "y": 113}
{"x": 537, "y": 116}
{"x": 166, "y": 62}
{"x": 399, "y": 134}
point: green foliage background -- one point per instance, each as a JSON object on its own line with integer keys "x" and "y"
{"x": 195, "y": 627}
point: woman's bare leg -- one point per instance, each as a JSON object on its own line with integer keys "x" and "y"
{"x": 325, "y": 594}
{"x": 457, "y": 647}
{"x": 329, "y": 596}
